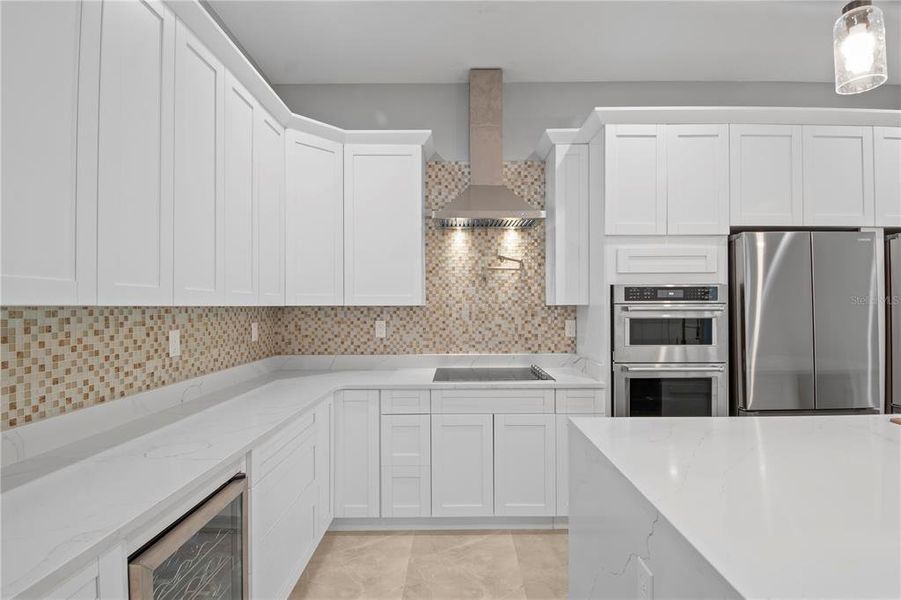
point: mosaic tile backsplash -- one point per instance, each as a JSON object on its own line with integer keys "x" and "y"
{"x": 59, "y": 359}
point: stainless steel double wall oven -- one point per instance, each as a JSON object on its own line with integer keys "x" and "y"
{"x": 670, "y": 350}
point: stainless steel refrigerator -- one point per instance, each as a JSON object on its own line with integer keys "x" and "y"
{"x": 805, "y": 322}
{"x": 893, "y": 253}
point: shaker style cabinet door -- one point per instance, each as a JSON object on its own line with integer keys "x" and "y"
{"x": 269, "y": 157}
{"x": 462, "y": 466}
{"x": 357, "y": 453}
{"x": 838, "y": 176}
{"x": 240, "y": 207}
{"x": 406, "y": 474}
{"x": 49, "y": 105}
{"x": 566, "y": 204}
{"x": 314, "y": 241}
{"x": 199, "y": 245}
{"x": 383, "y": 225}
{"x": 134, "y": 187}
{"x": 635, "y": 180}
{"x": 697, "y": 179}
{"x": 887, "y": 159}
{"x": 524, "y": 465}
{"x": 765, "y": 175}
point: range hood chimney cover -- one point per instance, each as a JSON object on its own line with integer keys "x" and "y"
{"x": 487, "y": 202}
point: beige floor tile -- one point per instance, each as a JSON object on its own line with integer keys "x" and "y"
{"x": 543, "y": 561}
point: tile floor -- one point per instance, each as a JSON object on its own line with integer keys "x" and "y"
{"x": 447, "y": 565}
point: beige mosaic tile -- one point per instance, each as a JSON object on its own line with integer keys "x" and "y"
{"x": 59, "y": 359}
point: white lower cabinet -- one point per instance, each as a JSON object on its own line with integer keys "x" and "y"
{"x": 563, "y": 461}
{"x": 357, "y": 453}
{"x": 104, "y": 579}
{"x": 524, "y": 465}
{"x": 324, "y": 466}
{"x": 462, "y": 466}
{"x": 406, "y": 471}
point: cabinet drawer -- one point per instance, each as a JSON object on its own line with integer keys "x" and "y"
{"x": 400, "y": 402}
{"x": 492, "y": 401}
{"x": 666, "y": 259}
{"x": 285, "y": 483}
{"x": 406, "y": 440}
{"x": 582, "y": 401}
{"x": 268, "y": 455}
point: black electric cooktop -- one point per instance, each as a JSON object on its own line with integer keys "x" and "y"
{"x": 457, "y": 374}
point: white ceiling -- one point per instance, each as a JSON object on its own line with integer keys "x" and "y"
{"x": 380, "y": 41}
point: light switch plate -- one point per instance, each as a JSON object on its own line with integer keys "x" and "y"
{"x": 381, "y": 329}
{"x": 174, "y": 343}
{"x": 569, "y": 328}
{"x": 645, "y": 581}
{"x": 254, "y": 332}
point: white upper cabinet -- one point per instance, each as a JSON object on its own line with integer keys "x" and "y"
{"x": 269, "y": 155}
{"x": 199, "y": 245}
{"x": 765, "y": 175}
{"x": 635, "y": 180}
{"x": 46, "y": 187}
{"x": 383, "y": 225}
{"x": 241, "y": 258}
{"x": 314, "y": 223}
{"x": 697, "y": 179}
{"x": 134, "y": 167}
{"x": 887, "y": 159}
{"x": 838, "y": 176}
{"x": 566, "y": 227}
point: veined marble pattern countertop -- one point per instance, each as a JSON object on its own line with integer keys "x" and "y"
{"x": 787, "y": 507}
{"x": 65, "y": 506}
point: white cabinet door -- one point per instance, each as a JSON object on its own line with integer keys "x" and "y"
{"x": 635, "y": 180}
{"x": 198, "y": 204}
{"x": 406, "y": 474}
{"x": 566, "y": 227}
{"x": 134, "y": 170}
{"x": 697, "y": 179}
{"x": 838, "y": 176}
{"x": 241, "y": 251}
{"x": 324, "y": 466}
{"x": 887, "y": 166}
{"x": 524, "y": 465}
{"x": 462, "y": 466}
{"x": 49, "y": 107}
{"x": 314, "y": 242}
{"x": 383, "y": 225}
{"x": 269, "y": 155}
{"x": 765, "y": 175}
{"x": 357, "y": 453}
{"x": 104, "y": 579}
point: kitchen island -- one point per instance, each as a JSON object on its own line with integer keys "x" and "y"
{"x": 790, "y": 507}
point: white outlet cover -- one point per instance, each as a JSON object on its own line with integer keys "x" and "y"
{"x": 570, "y": 328}
{"x": 254, "y": 332}
{"x": 174, "y": 343}
{"x": 381, "y": 329}
{"x": 645, "y": 581}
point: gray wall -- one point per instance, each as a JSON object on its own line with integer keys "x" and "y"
{"x": 530, "y": 108}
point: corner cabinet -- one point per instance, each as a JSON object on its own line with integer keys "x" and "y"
{"x": 384, "y": 223}
{"x": 566, "y": 227}
{"x": 314, "y": 220}
{"x": 887, "y": 158}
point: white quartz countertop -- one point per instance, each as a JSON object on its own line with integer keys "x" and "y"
{"x": 62, "y": 508}
{"x": 782, "y": 507}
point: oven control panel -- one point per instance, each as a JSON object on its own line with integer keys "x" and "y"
{"x": 671, "y": 293}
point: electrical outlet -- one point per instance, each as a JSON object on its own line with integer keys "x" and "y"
{"x": 254, "y": 332}
{"x": 381, "y": 329}
{"x": 569, "y": 328}
{"x": 174, "y": 343}
{"x": 645, "y": 581}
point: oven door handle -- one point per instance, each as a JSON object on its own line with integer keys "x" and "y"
{"x": 676, "y": 308}
{"x": 686, "y": 369}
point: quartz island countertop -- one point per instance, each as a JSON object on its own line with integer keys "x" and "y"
{"x": 65, "y": 505}
{"x": 788, "y": 507}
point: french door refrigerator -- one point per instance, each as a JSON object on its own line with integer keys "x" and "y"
{"x": 805, "y": 322}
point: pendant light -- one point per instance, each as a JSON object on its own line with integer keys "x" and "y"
{"x": 859, "y": 48}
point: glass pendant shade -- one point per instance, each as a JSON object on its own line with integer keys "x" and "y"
{"x": 859, "y": 48}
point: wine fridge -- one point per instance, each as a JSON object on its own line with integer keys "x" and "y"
{"x": 202, "y": 555}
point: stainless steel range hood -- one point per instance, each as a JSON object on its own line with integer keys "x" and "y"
{"x": 487, "y": 202}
